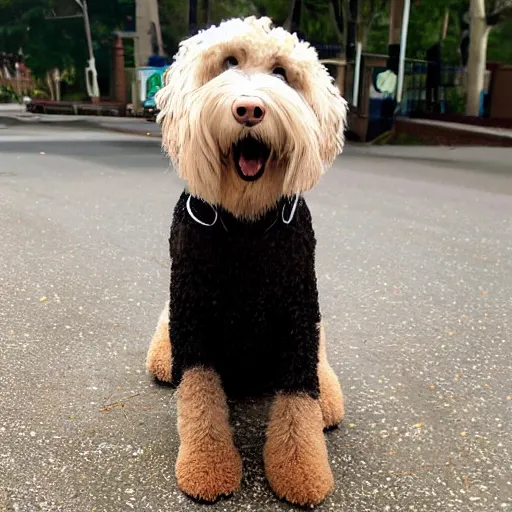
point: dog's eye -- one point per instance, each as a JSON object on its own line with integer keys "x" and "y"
{"x": 280, "y": 73}
{"x": 231, "y": 62}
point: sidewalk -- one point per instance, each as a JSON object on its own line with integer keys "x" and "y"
{"x": 453, "y": 134}
{"x": 449, "y": 157}
{"x": 11, "y": 109}
{"x": 15, "y": 114}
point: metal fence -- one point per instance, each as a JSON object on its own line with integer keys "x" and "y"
{"x": 431, "y": 87}
{"x": 328, "y": 51}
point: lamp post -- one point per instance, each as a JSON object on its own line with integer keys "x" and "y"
{"x": 403, "y": 48}
{"x": 91, "y": 75}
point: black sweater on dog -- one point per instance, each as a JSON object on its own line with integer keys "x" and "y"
{"x": 244, "y": 298}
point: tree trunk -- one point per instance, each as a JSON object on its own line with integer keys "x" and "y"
{"x": 292, "y": 23}
{"x": 192, "y": 16}
{"x": 396, "y": 11}
{"x": 340, "y": 20}
{"x": 208, "y": 12}
{"x": 479, "y": 35}
{"x": 345, "y": 17}
{"x": 296, "y": 15}
{"x": 446, "y": 21}
{"x": 56, "y": 82}
{"x": 49, "y": 83}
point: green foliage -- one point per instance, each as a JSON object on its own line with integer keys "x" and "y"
{"x": 318, "y": 22}
{"x": 174, "y": 23}
{"x": 16, "y": 17}
{"x": 500, "y": 43}
{"x": 8, "y": 95}
{"x": 37, "y": 93}
{"x": 61, "y": 43}
{"x": 456, "y": 100}
{"x": 46, "y": 44}
{"x": 377, "y": 37}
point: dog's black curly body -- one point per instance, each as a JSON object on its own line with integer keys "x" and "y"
{"x": 244, "y": 297}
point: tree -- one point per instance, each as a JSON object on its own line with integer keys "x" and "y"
{"x": 366, "y": 13}
{"x": 292, "y": 24}
{"x": 484, "y": 16}
{"x": 51, "y": 34}
{"x": 340, "y": 13}
{"x": 192, "y": 16}
{"x": 47, "y": 49}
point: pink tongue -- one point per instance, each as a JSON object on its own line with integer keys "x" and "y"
{"x": 249, "y": 167}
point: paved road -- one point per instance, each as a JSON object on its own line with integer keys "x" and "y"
{"x": 415, "y": 274}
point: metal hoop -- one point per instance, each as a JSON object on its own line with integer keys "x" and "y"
{"x": 191, "y": 213}
{"x": 294, "y": 207}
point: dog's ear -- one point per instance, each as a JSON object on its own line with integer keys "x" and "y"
{"x": 170, "y": 99}
{"x": 331, "y": 111}
{"x": 166, "y": 100}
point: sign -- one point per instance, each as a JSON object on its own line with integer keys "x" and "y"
{"x": 150, "y": 82}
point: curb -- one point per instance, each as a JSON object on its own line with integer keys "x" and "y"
{"x": 85, "y": 122}
{"x": 130, "y": 132}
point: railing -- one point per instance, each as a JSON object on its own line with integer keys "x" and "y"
{"x": 431, "y": 87}
{"x": 328, "y": 51}
{"x": 428, "y": 87}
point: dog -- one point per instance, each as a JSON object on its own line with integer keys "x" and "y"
{"x": 250, "y": 120}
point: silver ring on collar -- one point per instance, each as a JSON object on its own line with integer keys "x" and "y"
{"x": 199, "y": 221}
{"x": 294, "y": 207}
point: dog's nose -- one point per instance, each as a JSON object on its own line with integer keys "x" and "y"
{"x": 248, "y": 110}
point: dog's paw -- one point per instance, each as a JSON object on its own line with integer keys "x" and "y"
{"x": 159, "y": 365}
{"x": 331, "y": 399}
{"x": 209, "y": 471}
{"x": 295, "y": 454}
{"x": 333, "y": 414}
{"x": 297, "y": 476}
{"x": 159, "y": 357}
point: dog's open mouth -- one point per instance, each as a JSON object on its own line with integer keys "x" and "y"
{"x": 250, "y": 157}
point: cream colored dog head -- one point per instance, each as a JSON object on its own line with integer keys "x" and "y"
{"x": 249, "y": 115}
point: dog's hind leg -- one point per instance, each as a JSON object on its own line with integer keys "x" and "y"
{"x": 331, "y": 397}
{"x": 295, "y": 453}
{"x": 158, "y": 361}
{"x": 208, "y": 465}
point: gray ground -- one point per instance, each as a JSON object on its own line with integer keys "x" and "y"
{"x": 415, "y": 273}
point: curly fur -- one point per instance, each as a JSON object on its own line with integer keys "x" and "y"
{"x": 244, "y": 310}
{"x": 158, "y": 360}
{"x": 332, "y": 402}
{"x": 295, "y": 453}
{"x": 208, "y": 464}
{"x": 305, "y": 119}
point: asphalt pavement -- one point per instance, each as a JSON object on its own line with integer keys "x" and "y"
{"x": 415, "y": 274}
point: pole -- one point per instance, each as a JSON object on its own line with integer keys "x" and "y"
{"x": 87, "y": 27}
{"x": 403, "y": 49}
{"x": 357, "y": 73}
{"x": 92, "y": 85}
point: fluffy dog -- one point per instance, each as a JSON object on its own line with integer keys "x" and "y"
{"x": 250, "y": 120}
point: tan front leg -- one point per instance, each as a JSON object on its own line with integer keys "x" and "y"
{"x": 331, "y": 399}
{"x": 158, "y": 361}
{"x": 295, "y": 454}
{"x": 208, "y": 465}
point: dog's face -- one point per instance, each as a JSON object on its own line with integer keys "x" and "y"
{"x": 249, "y": 114}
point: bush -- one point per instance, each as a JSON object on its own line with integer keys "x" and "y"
{"x": 455, "y": 101}
{"x": 9, "y": 95}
